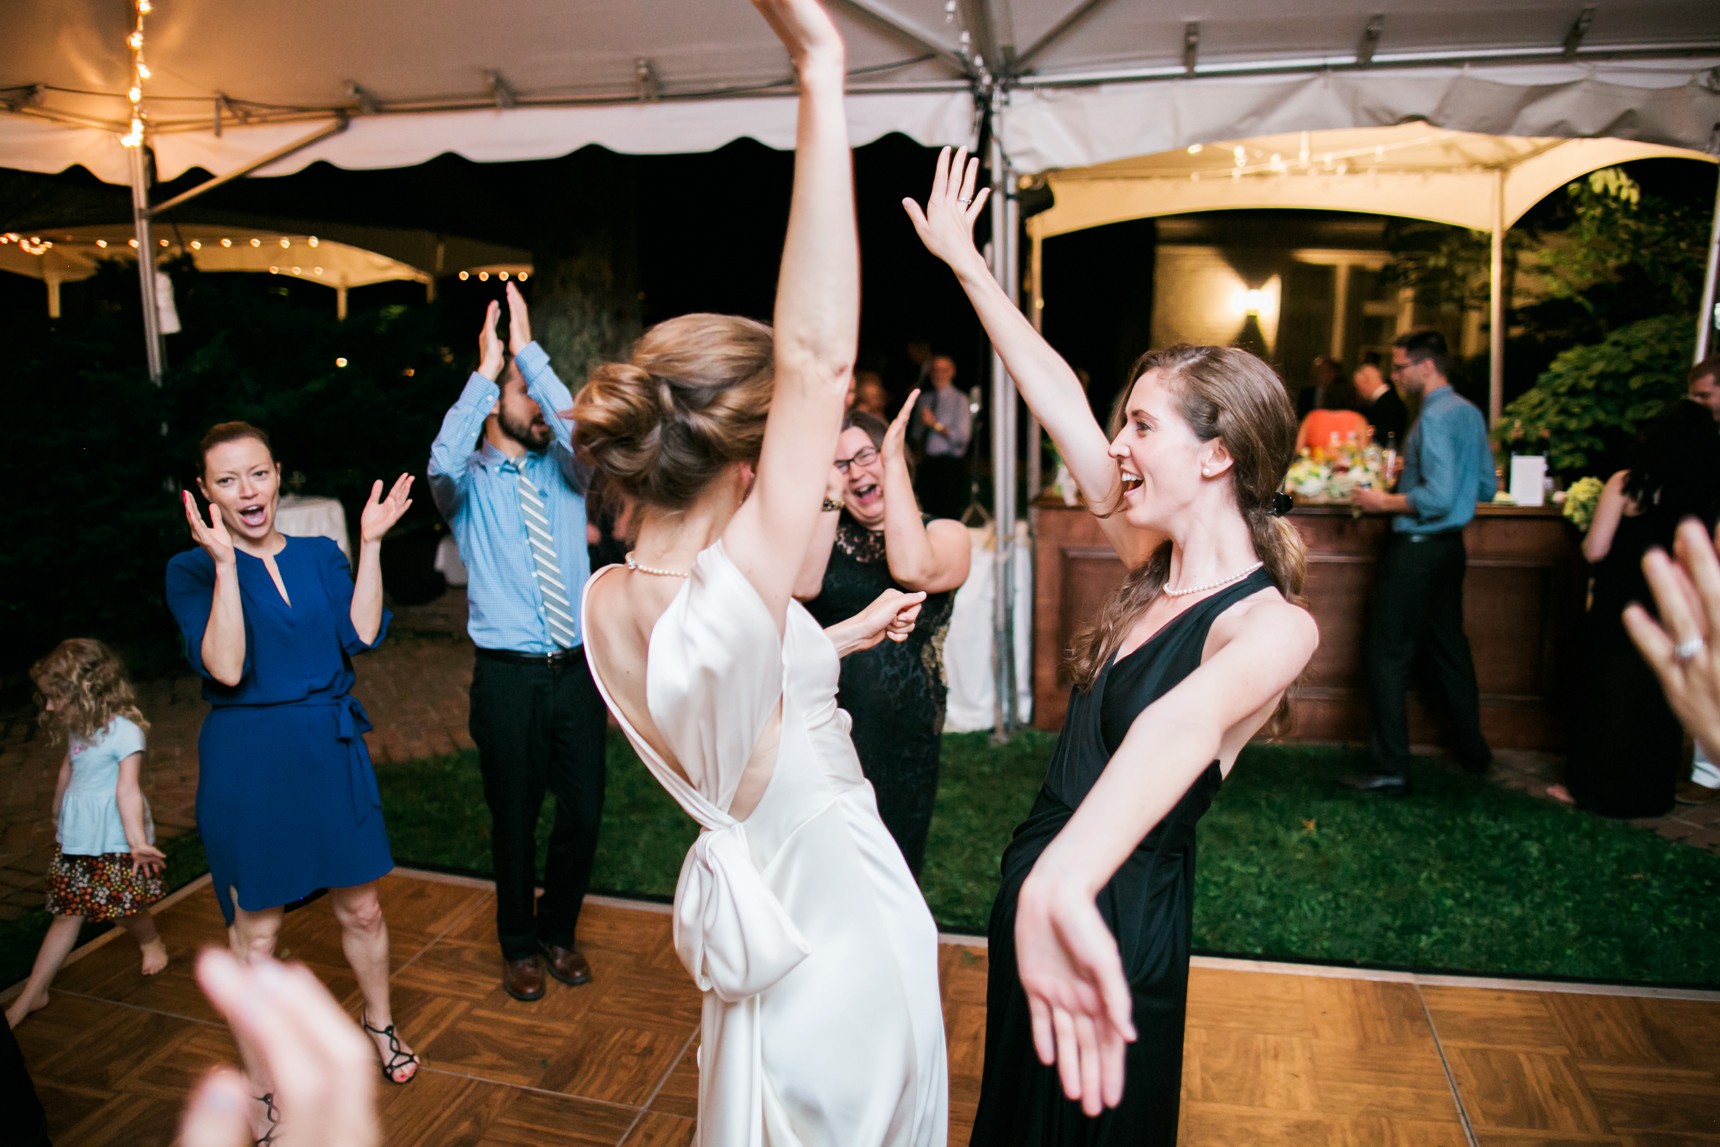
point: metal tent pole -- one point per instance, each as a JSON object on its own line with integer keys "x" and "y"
{"x": 153, "y": 348}
{"x": 1035, "y": 435}
{"x": 1002, "y": 450}
{"x": 1705, "y": 317}
{"x": 1496, "y": 306}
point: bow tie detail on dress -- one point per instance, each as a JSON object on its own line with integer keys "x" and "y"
{"x": 731, "y": 932}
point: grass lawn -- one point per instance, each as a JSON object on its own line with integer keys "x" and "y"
{"x": 1464, "y": 876}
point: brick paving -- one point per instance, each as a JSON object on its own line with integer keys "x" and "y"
{"x": 415, "y": 689}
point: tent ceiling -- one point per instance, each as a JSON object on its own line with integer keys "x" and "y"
{"x": 1411, "y": 170}
{"x": 720, "y": 74}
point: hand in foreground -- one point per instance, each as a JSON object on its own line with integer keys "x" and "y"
{"x": 805, "y": 29}
{"x": 519, "y": 321}
{"x": 1369, "y": 499}
{"x": 1076, "y": 991}
{"x": 490, "y": 344}
{"x": 895, "y": 438}
{"x": 324, "y": 1070}
{"x": 213, "y": 538}
{"x": 892, "y": 615}
{"x": 147, "y": 860}
{"x": 380, "y": 514}
{"x": 1688, "y": 594}
{"x": 946, "y": 224}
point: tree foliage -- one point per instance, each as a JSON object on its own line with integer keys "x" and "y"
{"x": 1593, "y": 399}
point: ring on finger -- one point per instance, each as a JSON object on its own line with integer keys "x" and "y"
{"x": 1685, "y": 650}
{"x": 964, "y": 201}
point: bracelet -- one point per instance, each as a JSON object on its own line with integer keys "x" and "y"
{"x": 831, "y": 505}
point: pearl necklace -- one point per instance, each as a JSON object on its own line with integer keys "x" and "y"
{"x": 633, "y": 565}
{"x": 1231, "y": 580}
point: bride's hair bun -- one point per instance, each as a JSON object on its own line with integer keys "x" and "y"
{"x": 690, "y": 401}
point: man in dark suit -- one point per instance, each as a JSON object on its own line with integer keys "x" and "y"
{"x": 1380, "y": 404}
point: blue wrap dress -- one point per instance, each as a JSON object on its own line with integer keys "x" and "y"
{"x": 287, "y": 801}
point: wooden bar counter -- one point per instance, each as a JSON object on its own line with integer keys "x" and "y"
{"x": 1522, "y": 600}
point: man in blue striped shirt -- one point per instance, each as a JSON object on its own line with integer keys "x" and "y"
{"x": 502, "y": 472}
{"x": 1418, "y": 593}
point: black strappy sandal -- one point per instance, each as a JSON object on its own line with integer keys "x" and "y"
{"x": 398, "y": 1057}
{"x": 267, "y": 1099}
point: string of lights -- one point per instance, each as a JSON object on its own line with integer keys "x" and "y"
{"x": 139, "y": 73}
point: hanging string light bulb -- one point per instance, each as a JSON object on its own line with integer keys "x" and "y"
{"x": 139, "y": 73}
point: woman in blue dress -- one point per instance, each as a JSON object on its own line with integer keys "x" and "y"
{"x": 286, "y": 798}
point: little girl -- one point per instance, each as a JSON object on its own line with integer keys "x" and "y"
{"x": 106, "y": 865}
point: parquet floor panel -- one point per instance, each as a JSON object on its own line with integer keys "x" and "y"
{"x": 1274, "y": 1055}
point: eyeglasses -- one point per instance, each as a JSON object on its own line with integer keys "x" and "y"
{"x": 866, "y": 457}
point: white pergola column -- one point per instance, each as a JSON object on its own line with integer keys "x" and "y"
{"x": 1004, "y": 268}
{"x": 154, "y": 351}
{"x": 1705, "y": 317}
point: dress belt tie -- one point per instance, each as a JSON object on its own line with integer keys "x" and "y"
{"x": 731, "y": 931}
{"x": 352, "y": 722}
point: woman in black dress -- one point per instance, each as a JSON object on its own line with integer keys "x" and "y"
{"x": 1627, "y": 748}
{"x": 872, "y": 537}
{"x": 1189, "y": 659}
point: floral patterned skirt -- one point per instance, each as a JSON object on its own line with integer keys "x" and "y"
{"x": 100, "y": 887}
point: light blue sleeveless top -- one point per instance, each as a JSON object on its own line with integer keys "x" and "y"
{"x": 90, "y": 823}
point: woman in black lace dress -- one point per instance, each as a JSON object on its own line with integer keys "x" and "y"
{"x": 871, "y": 538}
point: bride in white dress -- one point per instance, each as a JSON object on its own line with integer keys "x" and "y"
{"x": 795, "y": 913}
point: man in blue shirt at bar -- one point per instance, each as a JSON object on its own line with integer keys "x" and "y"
{"x": 1418, "y": 594}
{"x": 502, "y": 472}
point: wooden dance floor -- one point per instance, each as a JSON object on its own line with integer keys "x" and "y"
{"x": 1275, "y": 1055}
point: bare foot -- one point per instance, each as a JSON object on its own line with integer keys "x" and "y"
{"x": 154, "y": 957}
{"x": 23, "y": 1006}
{"x": 1561, "y": 794}
{"x": 400, "y": 1055}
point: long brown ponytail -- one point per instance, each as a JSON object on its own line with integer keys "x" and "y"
{"x": 1230, "y": 395}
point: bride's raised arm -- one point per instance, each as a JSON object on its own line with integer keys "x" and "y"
{"x": 1046, "y": 382}
{"x": 817, "y": 317}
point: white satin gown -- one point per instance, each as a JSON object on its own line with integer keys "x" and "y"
{"x": 801, "y": 925}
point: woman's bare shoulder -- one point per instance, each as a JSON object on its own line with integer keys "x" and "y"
{"x": 1266, "y": 616}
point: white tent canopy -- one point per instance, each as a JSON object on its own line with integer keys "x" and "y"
{"x": 1091, "y": 80}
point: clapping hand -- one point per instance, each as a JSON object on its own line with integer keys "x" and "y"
{"x": 896, "y": 437}
{"x": 381, "y": 513}
{"x": 324, "y": 1070}
{"x": 212, "y": 538}
{"x": 946, "y": 224}
{"x": 891, "y": 615}
{"x": 519, "y": 321}
{"x": 1684, "y": 647}
{"x": 1077, "y": 994}
{"x": 490, "y": 343}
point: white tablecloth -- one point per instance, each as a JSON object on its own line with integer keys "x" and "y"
{"x": 967, "y": 648}
{"x": 302, "y": 517}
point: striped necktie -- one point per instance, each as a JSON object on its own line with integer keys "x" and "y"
{"x": 557, "y": 612}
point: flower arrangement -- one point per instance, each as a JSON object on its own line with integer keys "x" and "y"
{"x": 1581, "y": 500}
{"x": 1333, "y": 473}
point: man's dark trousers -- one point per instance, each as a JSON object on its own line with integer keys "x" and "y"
{"x": 539, "y": 727}
{"x": 1418, "y": 607}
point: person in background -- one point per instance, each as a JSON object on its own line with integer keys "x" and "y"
{"x": 1377, "y": 400}
{"x": 1683, "y": 645}
{"x": 1704, "y": 783}
{"x": 287, "y": 803}
{"x": 869, "y": 395}
{"x": 1625, "y": 758}
{"x": 106, "y": 865}
{"x": 1316, "y": 395}
{"x": 948, "y": 425}
{"x": 872, "y": 537}
{"x": 515, "y": 503}
{"x": 1418, "y": 594}
{"x": 1328, "y": 429}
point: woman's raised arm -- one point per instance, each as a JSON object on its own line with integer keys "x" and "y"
{"x": 1046, "y": 382}
{"x": 817, "y": 317}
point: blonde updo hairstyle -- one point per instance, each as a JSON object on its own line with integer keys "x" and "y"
{"x": 690, "y": 401}
{"x": 1230, "y": 395}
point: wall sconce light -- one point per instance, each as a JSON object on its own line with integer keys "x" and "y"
{"x": 1248, "y": 301}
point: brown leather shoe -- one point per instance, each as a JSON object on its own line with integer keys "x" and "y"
{"x": 523, "y": 979}
{"x": 567, "y": 964}
{"x": 1689, "y": 792}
